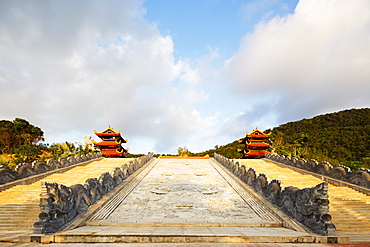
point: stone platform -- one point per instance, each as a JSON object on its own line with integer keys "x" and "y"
{"x": 112, "y": 234}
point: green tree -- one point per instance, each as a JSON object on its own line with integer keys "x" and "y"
{"x": 6, "y": 136}
{"x": 18, "y": 132}
{"x": 26, "y": 154}
{"x": 365, "y": 163}
{"x": 63, "y": 149}
{"x": 183, "y": 151}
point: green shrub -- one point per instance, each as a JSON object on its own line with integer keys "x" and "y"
{"x": 352, "y": 164}
{"x": 4, "y": 161}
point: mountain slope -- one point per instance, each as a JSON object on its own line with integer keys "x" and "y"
{"x": 339, "y": 138}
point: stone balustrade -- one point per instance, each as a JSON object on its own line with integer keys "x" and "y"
{"x": 61, "y": 205}
{"x": 25, "y": 170}
{"x": 309, "y": 206}
{"x": 360, "y": 176}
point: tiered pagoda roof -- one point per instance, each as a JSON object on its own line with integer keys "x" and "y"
{"x": 111, "y": 144}
{"x": 254, "y": 144}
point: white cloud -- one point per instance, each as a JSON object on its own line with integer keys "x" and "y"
{"x": 72, "y": 68}
{"x": 263, "y": 10}
{"x": 313, "y": 61}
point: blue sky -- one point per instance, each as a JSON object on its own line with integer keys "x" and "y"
{"x": 197, "y": 26}
{"x": 180, "y": 73}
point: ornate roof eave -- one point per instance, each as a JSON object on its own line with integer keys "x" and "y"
{"x": 259, "y": 135}
{"x": 256, "y": 152}
{"x": 261, "y": 144}
{"x": 106, "y": 134}
{"x": 112, "y": 131}
{"x": 105, "y": 143}
{"x": 113, "y": 152}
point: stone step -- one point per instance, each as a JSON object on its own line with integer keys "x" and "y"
{"x": 339, "y": 202}
{"x": 348, "y": 208}
{"x": 16, "y": 228}
{"x": 24, "y": 204}
{"x": 349, "y": 202}
{"x": 18, "y": 222}
{"x": 354, "y": 225}
{"x": 19, "y": 205}
{"x": 348, "y": 218}
{"x": 20, "y": 215}
{"x": 349, "y": 230}
{"x": 349, "y": 213}
{"x": 15, "y": 224}
{"x": 21, "y": 210}
{"x": 352, "y": 206}
{"x": 190, "y": 235}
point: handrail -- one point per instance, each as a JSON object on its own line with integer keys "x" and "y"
{"x": 25, "y": 170}
{"x": 359, "y": 177}
{"x": 309, "y": 206}
{"x": 61, "y": 205}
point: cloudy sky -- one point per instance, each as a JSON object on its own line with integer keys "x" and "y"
{"x": 171, "y": 73}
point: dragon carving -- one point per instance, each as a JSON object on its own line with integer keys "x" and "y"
{"x": 309, "y": 206}
{"x": 61, "y": 205}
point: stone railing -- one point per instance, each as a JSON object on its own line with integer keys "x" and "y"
{"x": 25, "y": 170}
{"x": 309, "y": 206}
{"x": 61, "y": 205}
{"x": 360, "y": 177}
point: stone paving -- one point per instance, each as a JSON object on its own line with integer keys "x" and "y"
{"x": 182, "y": 192}
{"x": 184, "y": 245}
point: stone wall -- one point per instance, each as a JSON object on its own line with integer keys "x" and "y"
{"x": 25, "y": 170}
{"x": 309, "y": 206}
{"x": 360, "y": 177}
{"x": 60, "y": 205}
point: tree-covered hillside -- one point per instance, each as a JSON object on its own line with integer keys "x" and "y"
{"x": 340, "y": 138}
{"x": 228, "y": 150}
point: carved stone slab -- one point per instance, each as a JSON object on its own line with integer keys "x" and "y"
{"x": 183, "y": 191}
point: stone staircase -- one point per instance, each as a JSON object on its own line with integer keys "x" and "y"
{"x": 350, "y": 209}
{"x": 19, "y": 205}
{"x": 18, "y": 216}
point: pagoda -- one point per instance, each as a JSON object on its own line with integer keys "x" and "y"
{"x": 111, "y": 144}
{"x": 255, "y": 146}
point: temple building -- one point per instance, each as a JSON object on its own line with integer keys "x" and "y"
{"x": 111, "y": 144}
{"x": 255, "y": 145}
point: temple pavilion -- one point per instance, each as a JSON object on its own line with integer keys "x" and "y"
{"x": 255, "y": 145}
{"x": 111, "y": 144}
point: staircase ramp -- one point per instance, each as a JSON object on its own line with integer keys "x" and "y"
{"x": 19, "y": 205}
{"x": 350, "y": 209}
